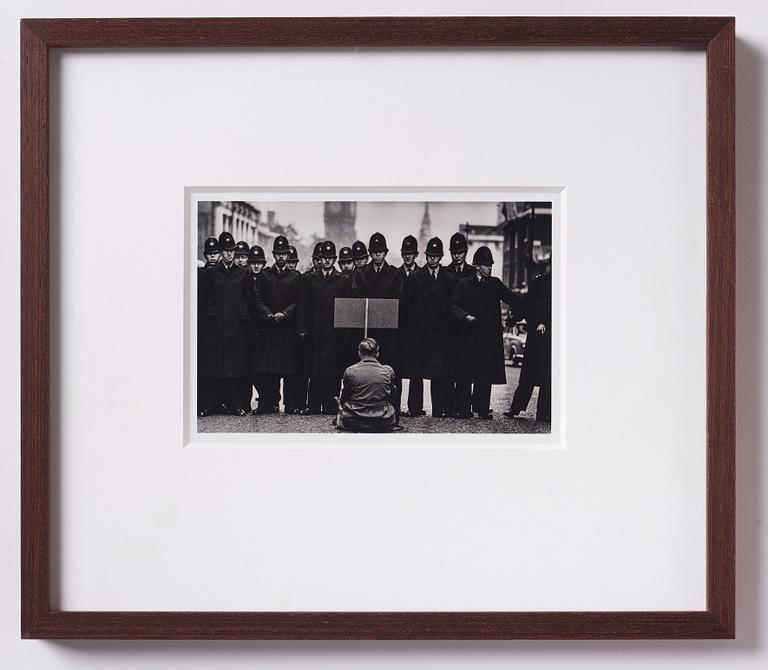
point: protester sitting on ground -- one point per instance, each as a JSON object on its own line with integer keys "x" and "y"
{"x": 366, "y": 394}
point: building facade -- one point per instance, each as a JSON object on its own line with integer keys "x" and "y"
{"x": 527, "y": 241}
{"x": 242, "y": 219}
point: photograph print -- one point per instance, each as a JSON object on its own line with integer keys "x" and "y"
{"x": 374, "y": 317}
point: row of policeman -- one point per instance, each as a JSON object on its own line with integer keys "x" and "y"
{"x": 260, "y": 324}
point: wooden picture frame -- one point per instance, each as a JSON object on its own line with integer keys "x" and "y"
{"x": 38, "y": 36}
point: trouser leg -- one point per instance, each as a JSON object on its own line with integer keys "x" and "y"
{"x": 206, "y": 396}
{"x": 481, "y": 398}
{"x": 462, "y": 399}
{"x": 315, "y": 401}
{"x": 544, "y": 404}
{"x": 522, "y": 397}
{"x": 416, "y": 396}
{"x": 271, "y": 387}
{"x": 397, "y": 393}
{"x": 450, "y": 397}
{"x": 439, "y": 394}
{"x": 330, "y": 387}
{"x": 294, "y": 391}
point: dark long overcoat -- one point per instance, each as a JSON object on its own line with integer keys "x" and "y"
{"x": 537, "y": 362}
{"x": 326, "y": 348}
{"x": 467, "y": 270}
{"x": 276, "y": 349}
{"x": 367, "y": 283}
{"x": 478, "y": 353}
{"x": 224, "y": 337}
{"x": 427, "y": 325}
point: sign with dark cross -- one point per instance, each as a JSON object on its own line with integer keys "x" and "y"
{"x": 366, "y": 313}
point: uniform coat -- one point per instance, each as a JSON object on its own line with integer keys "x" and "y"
{"x": 365, "y": 398}
{"x": 326, "y": 347}
{"x": 428, "y": 327}
{"x": 276, "y": 349}
{"x": 467, "y": 270}
{"x": 224, "y": 333}
{"x": 479, "y": 350}
{"x": 386, "y": 283}
{"x": 537, "y": 362}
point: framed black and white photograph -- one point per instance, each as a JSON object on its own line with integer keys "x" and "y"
{"x": 381, "y": 314}
{"x": 378, "y": 328}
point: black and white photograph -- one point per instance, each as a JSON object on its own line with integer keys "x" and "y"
{"x": 363, "y": 316}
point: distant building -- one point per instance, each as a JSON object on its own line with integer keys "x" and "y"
{"x": 527, "y": 235}
{"x": 242, "y": 219}
{"x": 339, "y": 218}
{"x": 489, "y": 236}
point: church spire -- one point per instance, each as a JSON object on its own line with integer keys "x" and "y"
{"x": 425, "y": 232}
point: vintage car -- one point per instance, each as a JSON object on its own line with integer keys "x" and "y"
{"x": 514, "y": 342}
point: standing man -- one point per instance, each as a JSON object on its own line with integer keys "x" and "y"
{"x": 379, "y": 279}
{"x": 315, "y": 259}
{"x": 241, "y": 254}
{"x": 360, "y": 254}
{"x": 275, "y": 356}
{"x": 206, "y": 400}
{"x": 326, "y": 356}
{"x": 346, "y": 261}
{"x": 293, "y": 258}
{"x": 458, "y": 248}
{"x": 224, "y": 334}
{"x": 256, "y": 263}
{"x": 428, "y": 336}
{"x": 409, "y": 250}
{"x": 459, "y": 268}
{"x": 479, "y": 353}
{"x": 537, "y": 363}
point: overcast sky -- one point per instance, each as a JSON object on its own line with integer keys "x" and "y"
{"x": 394, "y": 220}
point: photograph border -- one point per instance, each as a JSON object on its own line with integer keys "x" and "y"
{"x": 715, "y": 35}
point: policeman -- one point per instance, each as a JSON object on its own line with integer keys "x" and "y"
{"x": 275, "y": 355}
{"x": 537, "y": 364}
{"x": 360, "y": 254}
{"x": 211, "y": 252}
{"x": 479, "y": 352}
{"x": 409, "y": 250}
{"x": 256, "y": 260}
{"x": 326, "y": 356}
{"x": 241, "y": 254}
{"x": 346, "y": 261}
{"x": 224, "y": 332}
{"x": 458, "y": 248}
{"x": 256, "y": 263}
{"x": 428, "y": 331}
{"x": 315, "y": 259}
{"x": 379, "y": 279}
{"x": 293, "y": 258}
{"x": 206, "y": 401}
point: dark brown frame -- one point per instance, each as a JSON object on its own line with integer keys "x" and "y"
{"x": 713, "y": 34}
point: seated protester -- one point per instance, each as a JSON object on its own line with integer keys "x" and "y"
{"x": 366, "y": 394}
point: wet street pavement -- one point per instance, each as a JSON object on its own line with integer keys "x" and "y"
{"x": 501, "y": 397}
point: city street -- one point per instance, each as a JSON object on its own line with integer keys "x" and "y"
{"x": 501, "y": 398}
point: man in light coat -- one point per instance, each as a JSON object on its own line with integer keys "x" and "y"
{"x": 366, "y": 394}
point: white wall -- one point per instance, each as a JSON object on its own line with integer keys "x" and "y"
{"x": 749, "y": 650}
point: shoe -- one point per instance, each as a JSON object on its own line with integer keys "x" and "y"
{"x": 239, "y": 412}
{"x": 309, "y": 411}
{"x": 462, "y": 415}
{"x": 293, "y": 410}
{"x": 254, "y": 412}
{"x": 485, "y": 415}
{"x": 203, "y": 412}
{"x": 414, "y": 413}
{"x": 512, "y": 414}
